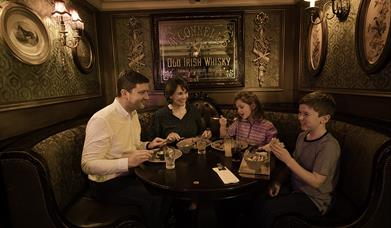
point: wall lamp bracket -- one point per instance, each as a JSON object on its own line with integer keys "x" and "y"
{"x": 340, "y": 8}
{"x": 64, "y": 18}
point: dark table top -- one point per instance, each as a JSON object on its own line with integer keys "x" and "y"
{"x": 193, "y": 177}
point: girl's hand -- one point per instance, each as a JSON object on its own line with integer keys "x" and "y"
{"x": 223, "y": 121}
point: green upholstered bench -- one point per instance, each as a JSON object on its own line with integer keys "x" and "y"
{"x": 45, "y": 186}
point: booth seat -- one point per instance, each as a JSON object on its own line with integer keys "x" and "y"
{"x": 43, "y": 185}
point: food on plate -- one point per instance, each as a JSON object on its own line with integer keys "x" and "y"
{"x": 255, "y": 160}
{"x": 219, "y": 145}
{"x": 185, "y": 145}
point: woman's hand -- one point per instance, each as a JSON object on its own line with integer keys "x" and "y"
{"x": 207, "y": 134}
{"x": 173, "y": 136}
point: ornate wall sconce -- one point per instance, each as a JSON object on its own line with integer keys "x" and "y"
{"x": 64, "y": 18}
{"x": 340, "y": 8}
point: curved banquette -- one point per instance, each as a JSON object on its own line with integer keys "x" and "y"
{"x": 43, "y": 185}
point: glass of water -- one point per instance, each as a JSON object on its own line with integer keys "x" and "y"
{"x": 169, "y": 157}
{"x": 201, "y": 146}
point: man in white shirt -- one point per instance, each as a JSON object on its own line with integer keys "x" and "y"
{"x": 113, "y": 147}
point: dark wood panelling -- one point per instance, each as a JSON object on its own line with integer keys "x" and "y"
{"x": 20, "y": 121}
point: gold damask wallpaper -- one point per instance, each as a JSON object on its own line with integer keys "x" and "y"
{"x": 57, "y": 77}
{"x": 342, "y": 71}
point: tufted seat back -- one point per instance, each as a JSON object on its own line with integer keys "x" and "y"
{"x": 359, "y": 148}
{"x": 62, "y": 153}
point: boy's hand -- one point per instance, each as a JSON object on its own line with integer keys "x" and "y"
{"x": 274, "y": 189}
{"x": 280, "y": 152}
{"x": 137, "y": 157}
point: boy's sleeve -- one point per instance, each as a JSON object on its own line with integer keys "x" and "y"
{"x": 327, "y": 159}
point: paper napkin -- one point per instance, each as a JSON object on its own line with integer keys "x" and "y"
{"x": 226, "y": 176}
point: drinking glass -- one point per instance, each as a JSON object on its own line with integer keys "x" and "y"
{"x": 228, "y": 146}
{"x": 201, "y": 146}
{"x": 169, "y": 157}
{"x": 236, "y": 151}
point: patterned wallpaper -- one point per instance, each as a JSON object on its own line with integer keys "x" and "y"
{"x": 56, "y": 77}
{"x": 121, "y": 32}
{"x": 342, "y": 70}
{"x": 273, "y": 33}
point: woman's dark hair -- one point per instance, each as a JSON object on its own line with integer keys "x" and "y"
{"x": 172, "y": 84}
{"x": 252, "y": 100}
{"x": 128, "y": 79}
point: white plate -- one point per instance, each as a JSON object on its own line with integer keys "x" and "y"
{"x": 177, "y": 155}
{"x": 219, "y": 145}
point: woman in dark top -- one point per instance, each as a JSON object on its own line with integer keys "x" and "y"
{"x": 178, "y": 119}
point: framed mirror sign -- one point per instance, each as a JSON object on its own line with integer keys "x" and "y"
{"x": 202, "y": 48}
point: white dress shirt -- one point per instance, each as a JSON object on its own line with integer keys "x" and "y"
{"x": 111, "y": 134}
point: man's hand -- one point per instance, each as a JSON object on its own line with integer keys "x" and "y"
{"x": 207, "y": 134}
{"x": 137, "y": 157}
{"x": 274, "y": 189}
{"x": 157, "y": 142}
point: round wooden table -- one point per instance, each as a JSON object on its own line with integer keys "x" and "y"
{"x": 193, "y": 177}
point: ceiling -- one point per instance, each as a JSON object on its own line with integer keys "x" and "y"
{"x": 118, "y": 5}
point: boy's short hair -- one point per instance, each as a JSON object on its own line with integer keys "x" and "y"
{"x": 128, "y": 79}
{"x": 321, "y": 102}
{"x": 171, "y": 86}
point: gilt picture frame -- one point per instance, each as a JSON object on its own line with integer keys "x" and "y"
{"x": 202, "y": 48}
{"x": 373, "y": 38}
{"x": 316, "y": 50}
{"x": 84, "y": 54}
{"x": 24, "y": 33}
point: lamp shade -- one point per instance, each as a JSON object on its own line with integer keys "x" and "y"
{"x": 60, "y": 10}
{"x": 77, "y": 22}
{"x": 312, "y": 2}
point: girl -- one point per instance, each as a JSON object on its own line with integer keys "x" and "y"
{"x": 251, "y": 126}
